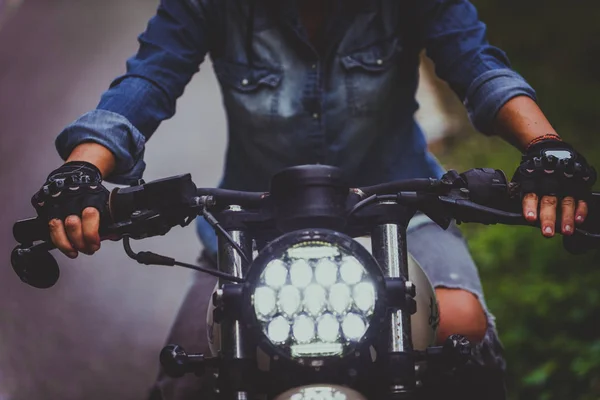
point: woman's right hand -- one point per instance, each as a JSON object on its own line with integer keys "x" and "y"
{"x": 73, "y": 200}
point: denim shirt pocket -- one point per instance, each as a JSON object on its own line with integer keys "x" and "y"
{"x": 249, "y": 90}
{"x": 370, "y": 75}
{"x": 245, "y": 77}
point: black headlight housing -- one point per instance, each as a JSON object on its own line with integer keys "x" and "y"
{"x": 343, "y": 248}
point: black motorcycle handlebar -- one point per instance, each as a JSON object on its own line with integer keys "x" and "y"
{"x": 125, "y": 201}
{"x": 176, "y": 199}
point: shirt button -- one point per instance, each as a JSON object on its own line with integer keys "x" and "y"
{"x": 316, "y": 115}
{"x": 379, "y": 61}
{"x": 245, "y": 82}
{"x": 314, "y": 66}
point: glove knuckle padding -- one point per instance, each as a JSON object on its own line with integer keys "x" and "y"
{"x": 553, "y": 168}
{"x": 69, "y": 190}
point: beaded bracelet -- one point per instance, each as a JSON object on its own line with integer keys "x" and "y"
{"x": 549, "y": 136}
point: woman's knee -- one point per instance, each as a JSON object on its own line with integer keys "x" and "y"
{"x": 461, "y": 313}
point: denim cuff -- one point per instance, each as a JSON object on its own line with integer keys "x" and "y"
{"x": 114, "y": 132}
{"x": 490, "y": 92}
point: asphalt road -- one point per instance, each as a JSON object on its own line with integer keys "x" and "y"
{"x": 97, "y": 333}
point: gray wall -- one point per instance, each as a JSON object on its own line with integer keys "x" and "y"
{"x": 97, "y": 333}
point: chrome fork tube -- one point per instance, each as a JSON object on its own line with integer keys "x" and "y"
{"x": 390, "y": 251}
{"x": 233, "y": 343}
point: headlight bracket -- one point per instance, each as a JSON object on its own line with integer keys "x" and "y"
{"x": 228, "y": 302}
{"x": 400, "y": 295}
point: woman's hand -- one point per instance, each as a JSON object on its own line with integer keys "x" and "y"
{"x": 72, "y": 200}
{"x": 553, "y": 177}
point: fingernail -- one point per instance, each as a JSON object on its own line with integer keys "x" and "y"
{"x": 95, "y": 248}
{"x": 548, "y": 230}
{"x": 531, "y": 214}
{"x": 579, "y": 218}
{"x": 568, "y": 228}
{"x": 72, "y": 254}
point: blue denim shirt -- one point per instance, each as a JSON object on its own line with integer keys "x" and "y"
{"x": 349, "y": 103}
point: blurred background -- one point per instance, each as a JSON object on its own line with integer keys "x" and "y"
{"x": 97, "y": 333}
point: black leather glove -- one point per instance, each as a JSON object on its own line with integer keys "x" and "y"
{"x": 553, "y": 168}
{"x": 69, "y": 190}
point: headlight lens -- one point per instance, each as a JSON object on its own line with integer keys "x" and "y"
{"x": 324, "y": 393}
{"x": 320, "y": 392}
{"x": 314, "y": 299}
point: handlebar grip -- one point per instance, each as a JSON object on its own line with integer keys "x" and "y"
{"x": 28, "y": 231}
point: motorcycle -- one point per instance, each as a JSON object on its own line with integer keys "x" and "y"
{"x": 303, "y": 309}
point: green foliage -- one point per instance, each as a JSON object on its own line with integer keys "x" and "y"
{"x": 547, "y": 302}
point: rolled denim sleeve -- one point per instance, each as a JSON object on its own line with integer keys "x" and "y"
{"x": 114, "y": 132}
{"x": 479, "y": 73}
{"x": 170, "y": 53}
{"x": 490, "y": 92}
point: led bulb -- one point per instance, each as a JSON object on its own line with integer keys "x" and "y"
{"x": 275, "y": 274}
{"x": 301, "y": 273}
{"x": 340, "y": 298}
{"x": 326, "y": 272}
{"x": 313, "y": 252}
{"x": 351, "y": 270}
{"x": 303, "y": 328}
{"x": 265, "y": 302}
{"x": 364, "y": 297}
{"x": 328, "y": 328}
{"x": 353, "y": 327}
{"x": 289, "y": 300}
{"x": 319, "y": 393}
{"x": 339, "y": 396}
{"x": 278, "y": 330}
{"x": 315, "y": 299}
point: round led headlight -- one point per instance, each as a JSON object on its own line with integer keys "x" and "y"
{"x": 315, "y": 294}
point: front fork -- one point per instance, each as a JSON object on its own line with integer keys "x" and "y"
{"x": 235, "y": 360}
{"x": 235, "y": 355}
{"x": 389, "y": 247}
{"x": 390, "y": 251}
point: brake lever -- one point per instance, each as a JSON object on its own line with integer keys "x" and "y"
{"x": 465, "y": 210}
{"x": 470, "y": 211}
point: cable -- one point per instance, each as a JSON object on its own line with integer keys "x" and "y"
{"x": 149, "y": 258}
{"x": 369, "y": 200}
{"x": 412, "y": 185}
{"x": 212, "y": 272}
{"x": 216, "y": 225}
{"x": 587, "y": 234}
